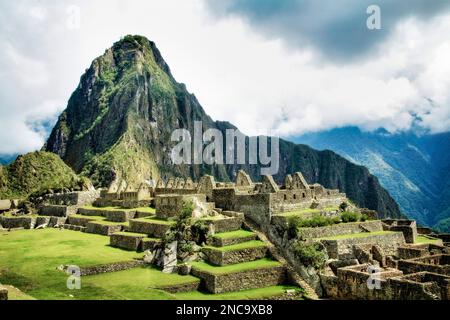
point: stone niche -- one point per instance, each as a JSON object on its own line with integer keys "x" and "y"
{"x": 170, "y": 205}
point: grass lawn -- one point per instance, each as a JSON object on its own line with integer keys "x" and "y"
{"x": 142, "y": 209}
{"x": 110, "y": 223}
{"x": 234, "y": 234}
{"x": 253, "y": 294}
{"x": 16, "y": 294}
{"x": 131, "y": 234}
{"x": 258, "y": 264}
{"x": 240, "y": 246}
{"x": 422, "y": 239}
{"x": 146, "y": 210}
{"x": 29, "y": 258}
{"x": 156, "y": 220}
{"x": 357, "y": 235}
{"x": 138, "y": 283}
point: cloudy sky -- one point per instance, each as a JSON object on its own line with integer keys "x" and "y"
{"x": 282, "y": 67}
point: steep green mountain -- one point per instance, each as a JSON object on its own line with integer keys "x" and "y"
{"x": 415, "y": 169}
{"x": 35, "y": 173}
{"x": 119, "y": 121}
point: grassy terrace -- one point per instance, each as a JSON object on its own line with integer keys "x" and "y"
{"x": 357, "y": 235}
{"x": 156, "y": 220}
{"x": 138, "y": 283}
{"x": 29, "y": 258}
{"x": 110, "y": 223}
{"x": 238, "y": 234}
{"x": 258, "y": 264}
{"x": 131, "y": 234}
{"x": 240, "y": 246}
{"x": 96, "y": 218}
{"x": 143, "y": 209}
{"x": 306, "y": 211}
{"x": 253, "y": 294}
{"x": 426, "y": 240}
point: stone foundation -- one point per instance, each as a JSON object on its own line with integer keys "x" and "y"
{"x": 120, "y": 216}
{"x": 111, "y": 267}
{"x": 18, "y": 222}
{"x": 343, "y": 248}
{"x": 153, "y": 229}
{"x": 222, "y": 258}
{"x": 238, "y": 281}
{"x": 103, "y": 229}
{"x": 3, "y": 293}
{"x": 57, "y": 210}
{"x": 128, "y": 241}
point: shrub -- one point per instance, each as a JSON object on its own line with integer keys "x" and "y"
{"x": 311, "y": 254}
{"x": 350, "y": 217}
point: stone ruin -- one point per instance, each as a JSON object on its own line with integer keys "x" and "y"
{"x": 402, "y": 267}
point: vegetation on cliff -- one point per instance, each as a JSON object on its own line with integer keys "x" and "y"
{"x": 34, "y": 173}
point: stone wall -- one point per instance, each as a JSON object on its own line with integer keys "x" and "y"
{"x": 343, "y": 248}
{"x": 340, "y": 229}
{"x": 18, "y": 222}
{"x": 184, "y": 287}
{"x": 221, "y": 258}
{"x": 244, "y": 280}
{"x": 57, "y": 210}
{"x": 226, "y": 224}
{"x": 110, "y": 267}
{"x": 119, "y": 216}
{"x": 153, "y": 229}
{"x": 128, "y": 241}
{"x": 168, "y": 206}
{"x": 439, "y": 263}
{"x": 80, "y": 198}
{"x": 3, "y": 293}
{"x": 103, "y": 229}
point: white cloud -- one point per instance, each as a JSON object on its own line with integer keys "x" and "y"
{"x": 260, "y": 85}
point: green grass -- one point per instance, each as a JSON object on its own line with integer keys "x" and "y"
{"x": 10, "y": 215}
{"x": 138, "y": 283}
{"x": 258, "y": 264}
{"x": 110, "y": 223}
{"x": 29, "y": 258}
{"x": 146, "y": 210}
{"x": 234, "y": 234}
{"x": 131, "y": 234}
{"x": 107, "y": 208}
{"x": 261, "y": 293}
{"x": 357, "y": 235}
{"x": 426, "y": 240}
{"x": 240, "y": 246}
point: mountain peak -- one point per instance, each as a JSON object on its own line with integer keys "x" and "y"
{"x": 119, "y": 122}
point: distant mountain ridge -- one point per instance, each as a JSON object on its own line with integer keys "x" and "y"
{"x": 119, "y": 121}
{"x": 415, "y": 169}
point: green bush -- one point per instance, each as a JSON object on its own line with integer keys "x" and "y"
{"x": 350, "y": 217}
{"x": 311, "y": 254}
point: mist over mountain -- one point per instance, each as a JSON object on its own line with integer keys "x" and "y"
{"x": 415, "y": 169}
{"x": 119, "y": 121}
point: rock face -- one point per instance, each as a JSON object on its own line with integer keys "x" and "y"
{"x": 119, "y": 122}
